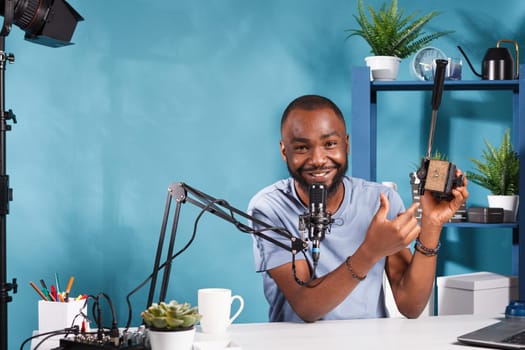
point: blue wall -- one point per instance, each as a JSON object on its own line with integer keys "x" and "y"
{"x": 155, "y": 92}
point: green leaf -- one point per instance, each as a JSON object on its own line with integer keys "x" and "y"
{"x": 498, "y": 171}
{"x": 390, "y": 33}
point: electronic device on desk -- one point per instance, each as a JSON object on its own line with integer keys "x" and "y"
{"x": 135, "y": 340}
{"x": 437, "y": 176}
{"x": 127, "y": 340}
{"x": 508, "y": 333}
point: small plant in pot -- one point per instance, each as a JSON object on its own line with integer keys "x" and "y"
{"x": 392, "y": 36}
{"x": 498, "y": 172}
{"x": 171, "y": 325}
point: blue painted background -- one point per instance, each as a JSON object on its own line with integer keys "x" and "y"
{"x": 155, "y": 92}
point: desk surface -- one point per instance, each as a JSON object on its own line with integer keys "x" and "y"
{"x": 433, "y": 332}
{"x": 438, "y": 332}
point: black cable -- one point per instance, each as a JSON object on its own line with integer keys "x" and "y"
{"x": 160, "y": 267}
{"x": 240, "y": 226}
{"x": 48, "y": 335}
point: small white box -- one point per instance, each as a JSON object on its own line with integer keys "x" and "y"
{"x": 475, "y": 293}
{"x": 54, "y": 315}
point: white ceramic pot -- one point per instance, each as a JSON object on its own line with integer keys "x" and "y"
{"x": 170, "y": 340}
{"x": 383, "y": 67}
{"x": 509, "y": 204}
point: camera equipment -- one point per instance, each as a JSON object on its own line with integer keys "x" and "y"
{"x": 437, "y": 176}
{"x": 46, "y": 22}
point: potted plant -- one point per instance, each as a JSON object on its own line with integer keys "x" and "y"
{"x": 171, "y": 325}
{"x": 391, "y": 36}
{"x": 498, "y": 172}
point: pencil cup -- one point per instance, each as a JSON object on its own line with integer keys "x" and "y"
{"x": 53, "y": 316}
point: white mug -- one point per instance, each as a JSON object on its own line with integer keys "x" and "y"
{"x": 215, "y": 307}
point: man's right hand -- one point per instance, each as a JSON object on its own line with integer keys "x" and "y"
{"x": 386, "y": 237}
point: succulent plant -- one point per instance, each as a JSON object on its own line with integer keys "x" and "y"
{"x": 170, "y": 316}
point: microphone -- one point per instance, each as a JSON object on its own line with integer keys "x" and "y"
{"x": 317, "y": 220}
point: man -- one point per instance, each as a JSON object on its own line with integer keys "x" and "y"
{"x": 370, "y": 235}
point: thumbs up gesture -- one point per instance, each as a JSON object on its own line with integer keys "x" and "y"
{"x": 386, "y": 237}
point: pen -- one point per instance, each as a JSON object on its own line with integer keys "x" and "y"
{"x": 57, "y": 284}
{"x": 43, "y": 284}
{"x": 69, "y": 285}
{"x": 42, "y": 295}
{"x": 44, "y": 289}
{"x": 53, "y": 292}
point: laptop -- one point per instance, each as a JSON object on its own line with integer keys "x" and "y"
{"x": 506, "y": 334}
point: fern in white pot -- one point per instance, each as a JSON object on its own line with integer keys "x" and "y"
{"x": 498, "y": 172}
{"x": 392, "y": 36}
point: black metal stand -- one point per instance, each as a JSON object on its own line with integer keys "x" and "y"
{"x": 182, "y": 193}
{"x": 5, "y": 191}
{"x": 5, "y": 197}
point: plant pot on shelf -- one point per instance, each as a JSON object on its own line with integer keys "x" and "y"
{"x": 383, "y": 68}
{"x": 509, "y": 204}
{"x": 180, "y": 339}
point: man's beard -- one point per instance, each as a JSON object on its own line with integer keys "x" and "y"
{"x": 332, "y": 188}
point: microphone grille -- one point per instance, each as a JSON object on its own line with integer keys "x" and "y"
{"x": 317, "y": 193}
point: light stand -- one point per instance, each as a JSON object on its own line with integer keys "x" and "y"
{"x": 182, "y": 193}
{"x": 5, "y": 191}
{"x": 49, "y": 23}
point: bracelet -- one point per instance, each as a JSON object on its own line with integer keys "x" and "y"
{"x": 354, "y": 275}
{"x": 419, "y": 247}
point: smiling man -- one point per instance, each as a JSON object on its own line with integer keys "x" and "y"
{"x": 369, "y": 237}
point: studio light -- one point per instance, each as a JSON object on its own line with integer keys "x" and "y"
{"x": 46, "y": 22}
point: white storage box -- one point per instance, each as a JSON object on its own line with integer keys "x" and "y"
{"x": 475, "y": 293}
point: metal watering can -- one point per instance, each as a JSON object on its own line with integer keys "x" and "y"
{"x": 498, "y": 63}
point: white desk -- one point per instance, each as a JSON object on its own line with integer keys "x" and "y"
{"x": 439, "y": 332}
{"x": 435, "y": 332}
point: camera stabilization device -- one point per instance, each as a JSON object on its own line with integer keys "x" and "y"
{"x": 435, "y": 175}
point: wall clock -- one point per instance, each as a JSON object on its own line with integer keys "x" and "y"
{"x": 421, "y": 66}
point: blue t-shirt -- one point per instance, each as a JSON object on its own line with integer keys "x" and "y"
{"x": 279, "y": 205}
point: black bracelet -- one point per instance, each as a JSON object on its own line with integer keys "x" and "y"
{"x": 419, "y": 247}
{"x": 354, "y": 275}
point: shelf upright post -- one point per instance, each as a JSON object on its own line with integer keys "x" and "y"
{"x": 519, "y": 144}
{"x": 364, "y": 125}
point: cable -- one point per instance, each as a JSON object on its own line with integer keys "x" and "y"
{"x": 212, "y": 205}
{"x": 65, "y": 331}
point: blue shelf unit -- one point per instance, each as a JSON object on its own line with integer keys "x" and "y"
{"x": 364, "y": 136}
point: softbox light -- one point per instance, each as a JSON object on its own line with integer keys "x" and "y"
{"x": 46, "y": 22}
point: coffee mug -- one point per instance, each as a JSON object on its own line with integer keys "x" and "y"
{"x": 215, "y": 307}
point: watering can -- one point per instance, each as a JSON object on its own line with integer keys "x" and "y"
{"x": 498, "y": 63}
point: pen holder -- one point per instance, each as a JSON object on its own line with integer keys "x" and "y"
{"x": 53, "y": 316}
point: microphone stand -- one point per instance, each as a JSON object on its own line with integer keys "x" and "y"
{"x": 5, "y": 191}
{"x": 183, "y": 193}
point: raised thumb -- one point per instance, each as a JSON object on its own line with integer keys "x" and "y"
{"x": 384, "y": 206}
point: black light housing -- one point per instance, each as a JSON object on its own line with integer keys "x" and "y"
{"x": 45, "y": 22}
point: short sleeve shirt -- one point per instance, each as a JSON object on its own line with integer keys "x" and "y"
{"x": 278, "y": 205}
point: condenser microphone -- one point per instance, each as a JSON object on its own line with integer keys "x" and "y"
{"x": 317, "y": 220}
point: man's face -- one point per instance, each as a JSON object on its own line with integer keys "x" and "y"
{"x": 315, "y": 147}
